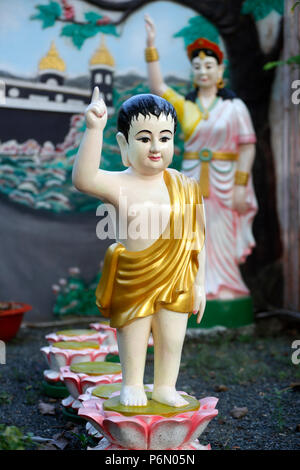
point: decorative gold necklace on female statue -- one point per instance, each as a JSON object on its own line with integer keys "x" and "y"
{"x": 205, "y": 111}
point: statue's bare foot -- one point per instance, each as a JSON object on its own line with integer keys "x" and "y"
{"x": 133, "y": 395}
{"x": 168, "y": 396}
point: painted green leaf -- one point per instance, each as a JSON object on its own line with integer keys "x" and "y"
{"x": 79, "y": 33}
{"x": 92, "y": 17}
{"x": 198, "y": 27}
{"x": 109, "y": 29}
{"x": 294, "y": 6}
{"x": 261, "y": 8}
{"x": 48, "y": 14}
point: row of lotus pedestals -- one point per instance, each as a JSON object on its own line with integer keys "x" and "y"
{"x": 85, "y": 372}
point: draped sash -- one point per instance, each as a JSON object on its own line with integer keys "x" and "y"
{"x": 136, "y": 284}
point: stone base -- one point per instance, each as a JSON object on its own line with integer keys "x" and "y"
{"x": 232, "y": 313}
{"x": 104, "y": 444}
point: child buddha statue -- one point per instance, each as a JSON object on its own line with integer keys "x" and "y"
{"x": 152, "y": 278}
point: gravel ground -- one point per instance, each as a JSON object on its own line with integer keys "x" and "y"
{"x": 253, "y": 371}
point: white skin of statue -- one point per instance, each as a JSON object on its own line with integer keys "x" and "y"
{"x": 206, "y": 74}
{"x": 142, "y": 181}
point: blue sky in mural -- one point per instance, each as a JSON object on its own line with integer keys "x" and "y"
{"x": 23, "y": 41}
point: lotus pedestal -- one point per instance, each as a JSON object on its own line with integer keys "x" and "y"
{"x": 66, "y": 353}
{"x": 151, "y": 427}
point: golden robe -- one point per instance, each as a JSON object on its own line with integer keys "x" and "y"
{"x": 136, "y": 284}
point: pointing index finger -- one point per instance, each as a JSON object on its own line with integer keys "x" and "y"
{"x": 96, "y": 94}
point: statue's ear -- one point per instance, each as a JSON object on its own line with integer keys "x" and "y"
{"x": 123, "y": 144}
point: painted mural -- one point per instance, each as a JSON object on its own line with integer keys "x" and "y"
{"x": 70, "y": 47}
{"x": 42, "y": 111}
{"x": 52, "y": 54}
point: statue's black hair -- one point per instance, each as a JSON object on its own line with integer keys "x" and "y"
{"x": 145, "y": 104}
{"x": 224, "y": 93}
{"x": 208, "y": 52}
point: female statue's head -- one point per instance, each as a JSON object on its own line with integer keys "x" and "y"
{"x": 207, "y": 63}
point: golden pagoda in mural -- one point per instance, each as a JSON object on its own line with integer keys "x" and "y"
{"x": 52, "y": 67}
{"x": 102, "y": 66}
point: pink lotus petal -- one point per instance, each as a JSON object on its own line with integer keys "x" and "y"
{"x": 199, "y": 422}
{"x": 208, "y": 403}
{"x": 80, "y": 356}
{"x": 58, "y": 359}
{"x": 72, "y": 382}
{"x": 99, "y": 337}
{"x": 130, "y": 432}
{"x": 67, "y": 402}
{"x": 51, "y": 375}
{"x": 93, "y": 403}
{"x": 169, "y": 433}
{"x": 96, "y": 420}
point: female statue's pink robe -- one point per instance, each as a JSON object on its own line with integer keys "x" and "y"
{"x": 229, "y": 235}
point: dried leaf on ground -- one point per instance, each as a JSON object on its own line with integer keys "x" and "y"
{"x": 46, "y": 408}
{"x": 295, "y": 386}
{"x": 60, "y": 441}
{"x": 221, "y": 388}
{"x": 47, "y": 446}
{"x": 237, "y": 412}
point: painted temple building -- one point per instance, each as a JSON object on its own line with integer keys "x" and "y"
{"x": 41, "y": 109}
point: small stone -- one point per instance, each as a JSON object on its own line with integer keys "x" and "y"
{"x": 221, "y": 388}
{"x": 238, "y": 413}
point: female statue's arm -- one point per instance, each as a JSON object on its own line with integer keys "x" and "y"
{"x": 156, "y": 82}
{"x": 244, "y": 165}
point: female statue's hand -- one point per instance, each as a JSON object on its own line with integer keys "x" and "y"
{"x": 96, "y": 112}
{"x": 150, "y": 30}
{"x": 239, "y": 202}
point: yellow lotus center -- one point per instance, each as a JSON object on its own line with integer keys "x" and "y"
{"x": 76, "y": 332}
{"x": 76, "y": 345}
{"x": 105, "y": 390}
{"x": 152, "y": 407}
{"x": 96, "y": 368}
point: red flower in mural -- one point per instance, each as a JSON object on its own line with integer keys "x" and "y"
{"x": 69, "y": 11}
{"x": 104, "y": 20}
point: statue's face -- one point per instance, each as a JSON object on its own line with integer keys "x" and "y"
{"x": 206, "y": 71}
{"x": 151, "y": 143}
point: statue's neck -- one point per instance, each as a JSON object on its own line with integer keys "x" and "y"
{"x": 207, "y": 93}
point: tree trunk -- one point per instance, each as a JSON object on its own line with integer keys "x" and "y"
{"x": 290, "y": 180}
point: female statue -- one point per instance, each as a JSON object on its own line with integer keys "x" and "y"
{"x": 219, "y": 150}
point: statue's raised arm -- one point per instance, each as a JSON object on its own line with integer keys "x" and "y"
{"x": 87, "y": 176}
{"x": 156, "y": 82}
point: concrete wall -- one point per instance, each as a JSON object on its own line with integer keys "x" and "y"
{"x": 37, "y": 248}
